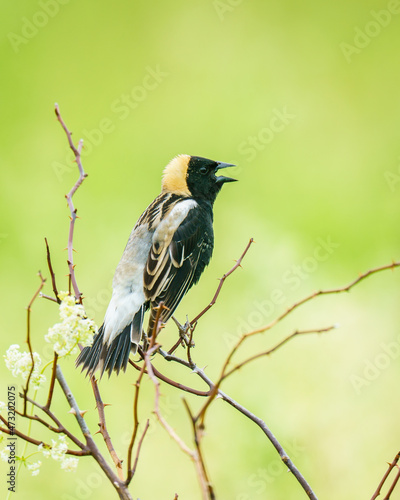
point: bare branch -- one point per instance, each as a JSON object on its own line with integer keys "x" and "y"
{"x": 282, "y": 453}
{"x": 28, "y": 336}
{"x": 312, "y": 296}
{"x": 115, "y": 481}
{"x": 53, "y": 276}
{"x": 82, "y": 176}
{"x": 169, "y": 381}
{"x": 392, "y": 487}
{"x": 130, "y": 469}
{"x": 29, "y": 439}
{"x": 103, "y": 428}
{"x": 386, "y": 475}
{"x": 52, "y": 381}
{"x": 140, "y": 447}
{"x": 195, "y": 320}
{"x": 197, "y": 434}
{"x": 193, "y": 455}
{"x": 60, "y": 427}
{"x": 226, "y": 374}
{"x": 221, "y": 282}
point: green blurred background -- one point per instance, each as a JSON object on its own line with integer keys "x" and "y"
{"x": 303, "y": 97}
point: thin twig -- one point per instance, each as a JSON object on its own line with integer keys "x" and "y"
{"x": 193, "y": 455}
{"x": 296, "y": 305}
{"x": 156, "y": 327}
{"x": 130, "y": 467}
{"x": 258, "y": 421}
{"x": 47, "y": 297}
{"x": 195, "y": 320}
{"x": 60, "y": 427}
{"x": 197, "y": 434}
{"x": 313, "y": 295}
{"x": 82, "y": 176}
{"x": 53, "y": 276}
{"x": 385, "y": 476}
{"x": 103, "y": 428}
{"x": 296, "y": 333}
{"x": 221, "y": 282}
{"x": 224, "y": 373}
{"x": 157, "y": 412}
{"x": 28, "y": 336}
{"x": 29, "y": 439}
{"x": 52, "y": 381}
{"x": 279, "y": 448}
{"x": 392, "y": 487}
{"x": 169, "y": 381}
{"x": 114, "y": 479}
{"x": 140, "y": 447}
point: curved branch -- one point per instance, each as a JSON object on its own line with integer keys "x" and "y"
{"x": 192, "y": 324}
{"x": 82, "y": 176}
{"x": 103, "y": 428}
{"x": 113, "y": 478}
{"x": 28, "y": 336}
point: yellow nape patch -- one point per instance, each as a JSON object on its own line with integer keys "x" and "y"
{"x": 174, "y": 176}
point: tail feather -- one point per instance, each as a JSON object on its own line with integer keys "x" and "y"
{"x": 113, "y": 357}
{"x": 90, "y": 356}
{"x": 117, "y": 354}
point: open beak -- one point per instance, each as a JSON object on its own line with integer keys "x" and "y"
{"x": 221, "y": 179}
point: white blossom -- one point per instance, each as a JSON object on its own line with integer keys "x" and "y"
{"x": 57, "y": 451}
{"x": 74, "y": 328}
{"x": 3, "y": 406}
{"x": 20, "y": 364}
{"x": 69, "y": 464}
{"x": 34, "y": 467}
{"x": 45, "y": 451}
{"x": 4, "y": 454}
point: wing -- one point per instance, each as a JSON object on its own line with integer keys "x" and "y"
{"x": 179, "y": 253}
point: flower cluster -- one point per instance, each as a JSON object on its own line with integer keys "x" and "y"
{"x": 57, "y": 452}
{"x": 74, "y": 328}
{"x": 20, "y": 363}
{"x": 34, "y": 467}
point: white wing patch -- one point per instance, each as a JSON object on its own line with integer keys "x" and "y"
{"x": 166, "y": 229}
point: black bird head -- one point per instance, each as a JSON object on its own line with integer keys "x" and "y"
{"x": 194, "y": 176}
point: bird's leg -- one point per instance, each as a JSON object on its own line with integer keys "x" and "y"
{"x": 145, "y": 341}
{"x": 184, "y": 332}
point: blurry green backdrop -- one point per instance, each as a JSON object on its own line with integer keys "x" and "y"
{"x": 303, "y": 98}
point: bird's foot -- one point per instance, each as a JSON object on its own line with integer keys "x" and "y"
{"x": 184, "y": 332}
{"x": 145, "y": 342}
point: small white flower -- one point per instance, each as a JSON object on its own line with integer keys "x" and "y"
{"x": 75, "y": 327}
{"x": 4, "y": 454}
{"x": 57, "y": 451}
{"x": 34, "y": 467}
{"x": 3, "y": 406}
{"x": 20, "y": 364}
{"x": 44, "y": 450}
{"x": 59, "y": 448}
{"x": 69, "y": 464}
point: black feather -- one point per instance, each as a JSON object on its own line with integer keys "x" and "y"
{"x": 118, "y": 352}
{"x": 90, "y": 356}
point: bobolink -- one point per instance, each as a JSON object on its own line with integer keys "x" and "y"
{"x": 168, "y": 249}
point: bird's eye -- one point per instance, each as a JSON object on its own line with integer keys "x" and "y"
{"x": 203, "y": 170}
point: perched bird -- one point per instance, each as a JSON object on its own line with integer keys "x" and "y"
{"x": 168, "y": 249}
